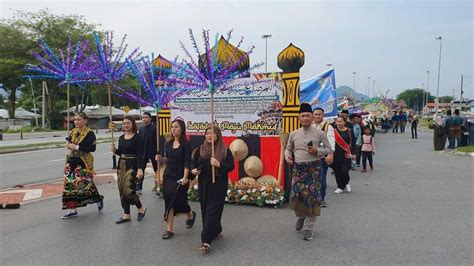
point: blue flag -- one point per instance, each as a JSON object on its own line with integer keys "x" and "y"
{"x": 320, "y": 91}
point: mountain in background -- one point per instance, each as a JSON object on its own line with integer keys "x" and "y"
{"x": 342, "y": 90}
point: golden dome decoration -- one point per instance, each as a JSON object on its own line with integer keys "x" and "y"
{"x": 291, "y": 59}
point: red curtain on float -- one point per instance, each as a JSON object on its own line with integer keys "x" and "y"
{"x": 269, "y": 154}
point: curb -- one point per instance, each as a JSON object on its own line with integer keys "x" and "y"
{"x": 51, "y": 145}
{"x": 457, "y": 153}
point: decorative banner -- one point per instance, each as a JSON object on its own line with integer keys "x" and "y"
{"x": 320, "y": 91}
{"x": 249, "y": 108}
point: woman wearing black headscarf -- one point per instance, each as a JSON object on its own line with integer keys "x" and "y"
{"x": 212, "y": 195}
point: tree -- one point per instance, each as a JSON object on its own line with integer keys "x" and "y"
{"x": 414, "y": 98}
{"x": 23, "y": 31}
{"x": 445, "y": 99}
{"x": 14, "y": 54}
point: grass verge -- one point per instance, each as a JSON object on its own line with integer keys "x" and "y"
{"x": 466, "y": 148}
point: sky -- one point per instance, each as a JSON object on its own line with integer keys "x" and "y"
{"x": 392, "y": 42}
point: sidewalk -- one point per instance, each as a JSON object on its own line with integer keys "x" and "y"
{"x": 54, "y": 188}
{"x": 50, "y": 189}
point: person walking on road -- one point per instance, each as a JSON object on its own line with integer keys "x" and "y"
{"x": 305, "y": 148}
{"x": 345, "y": 146}
{"x": 79, "y": 188}
{"x": 175, "y": 178}
{"x": 129, "y": 170}
{"x": 368, "y": 149}
{"x": 395, "y": 122}
{"x": 320, "y": 123}
{"x": 403, "y": 121}
{"x": 212, "y": 194}
{"x": 149, "y": 148}
{"x": 414, "y": 126}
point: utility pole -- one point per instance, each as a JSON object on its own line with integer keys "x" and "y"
{"x": 461, "y": 98}
{"x": 439, "y": 73}
{"x": 354, "y": 87}
{"x": 34, "y": 102}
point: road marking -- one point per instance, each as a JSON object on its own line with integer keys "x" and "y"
{"x": 57, "y": 160}
{"x": 30, "y": 194}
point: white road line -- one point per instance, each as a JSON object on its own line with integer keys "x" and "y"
{"x": 57, "y": 160}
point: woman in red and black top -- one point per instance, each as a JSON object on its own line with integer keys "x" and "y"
{"x": 345, "y": 147}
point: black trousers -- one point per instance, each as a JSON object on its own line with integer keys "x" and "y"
{"x": 341, "y": 171}
{"x": 154, "y": 163}
{"x": 414, "y": 133}
{"x": 367, "y": 155}
{"x": 126, "y": 205}
{"x": 359, "y": 153}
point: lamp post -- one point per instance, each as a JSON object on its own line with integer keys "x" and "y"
{"x": 266, "y": 36}
{"x": 368, "y": 87}
{"x": 354, "y": 87}
{"x": 423, "y": 93}
{"x": 373, "y": 88}
{"x": 427, "y": 87}
{"x": 439, "y": 70}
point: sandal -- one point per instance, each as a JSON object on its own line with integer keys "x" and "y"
{"x": 167, "y": 235}
{"x": 205, "y": 248}
{"x": 190, "y": 222}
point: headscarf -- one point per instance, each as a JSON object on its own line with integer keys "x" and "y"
{"x": 205, "y": 151}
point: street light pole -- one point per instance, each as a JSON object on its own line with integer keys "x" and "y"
{"x": 427, "y": 87}
{"x": 266, "y": 36}
{"x": 373, "y": 89}
{"x": 354, "y": 87}
{"x": 423, "y": 96}
{"x": 368, "y": 87}
{"x": 439, "y": 70}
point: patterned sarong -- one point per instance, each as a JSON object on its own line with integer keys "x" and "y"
{"x": 305, "y": 194}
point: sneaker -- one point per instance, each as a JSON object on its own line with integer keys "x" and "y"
{"x": 69, "y": 215}
{"x": 299, "y": 224}
{"x": 372, "y": 168}
{"x": 324, "y": 204}
{"x": 357, "y": 165}
{"x": 338, "y": 191}
{"x": 364, "y": 170}
{"x": 307, "y": 235}
{"x": 348, "y": 188}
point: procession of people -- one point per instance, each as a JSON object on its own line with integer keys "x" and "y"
{"x": 310, "y": 152}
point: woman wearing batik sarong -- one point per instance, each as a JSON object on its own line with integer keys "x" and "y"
{"x": 129, "y": 170}
{"x": 79, "y": 188}
{"x": 305, "y": 148}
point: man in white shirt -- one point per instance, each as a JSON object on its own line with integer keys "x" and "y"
{"x": 326, "y": 127}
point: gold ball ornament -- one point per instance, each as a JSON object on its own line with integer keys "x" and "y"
{"x": 239, "y": 149}
{"x": 253, "y": 166}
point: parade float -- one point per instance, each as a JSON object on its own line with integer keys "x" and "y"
{"x": 255, "y": 114}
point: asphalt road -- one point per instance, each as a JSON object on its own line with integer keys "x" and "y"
{"x": 43, "y": 165}
{"x": 416, "y": 207}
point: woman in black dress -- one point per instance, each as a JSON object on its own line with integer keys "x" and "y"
{"x": 175, "y": 178}
{"x": 212, "y": 195}
{"x": 344, "y": 149}
{"x": 129, "y": 170}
